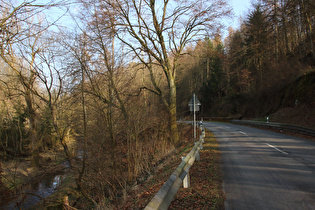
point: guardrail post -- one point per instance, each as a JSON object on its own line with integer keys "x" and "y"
{"x": 201, "y": 139}
{"x": 197, "y": 155}
{"x": 164, "y": 196}
{"x": 186, "y": 180}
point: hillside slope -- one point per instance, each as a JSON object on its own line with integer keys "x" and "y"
{"x": 292, "y": 103}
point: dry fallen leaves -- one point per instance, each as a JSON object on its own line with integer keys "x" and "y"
{"x": 205, "y": 180}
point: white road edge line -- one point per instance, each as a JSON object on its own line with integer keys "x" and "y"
{"x": 279, "y": 150}
{"x": 243, "y": 133}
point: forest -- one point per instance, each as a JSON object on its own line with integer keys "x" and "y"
{"x": 244, "y": 74}
{"x": 105, "y": 96}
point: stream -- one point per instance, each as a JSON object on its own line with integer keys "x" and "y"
{"x": 31, "y": 194}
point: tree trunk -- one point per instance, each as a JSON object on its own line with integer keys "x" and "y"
{"x": 172, "y": 112}
{"x": 32, "y": 120}
{"x": 308, "y": 27}
{"x": 21, "y": 137}
{"x": 60, "y": 135}
{"x": 309, "y": 30}
{"x": 285, "y": 30}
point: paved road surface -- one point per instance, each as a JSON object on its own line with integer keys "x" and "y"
{"x": 265, "y": 170}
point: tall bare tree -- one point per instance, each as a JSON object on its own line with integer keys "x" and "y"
{"x": 157, "y": 32}
{"x": 30, "y": 55}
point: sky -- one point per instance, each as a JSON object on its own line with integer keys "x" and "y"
{"x": 240, "y": 8}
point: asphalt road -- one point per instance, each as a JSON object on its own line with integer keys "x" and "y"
{"x": 265, "y": 170}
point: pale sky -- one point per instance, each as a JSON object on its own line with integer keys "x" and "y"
{"x": 240, "y": 8}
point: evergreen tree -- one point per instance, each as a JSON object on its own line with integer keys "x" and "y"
{"x": 257, "y": 43}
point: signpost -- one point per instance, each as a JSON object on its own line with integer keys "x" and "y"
{"x": 194, "y": 105}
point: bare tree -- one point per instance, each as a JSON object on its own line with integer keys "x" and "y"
{"x": 157, "y": 32}
{"x": 16, "y": 16}
{"x": 30, "y": 55}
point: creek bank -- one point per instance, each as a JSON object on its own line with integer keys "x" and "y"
{"x": 29, "y": 184}
{"x": 31, "y": 194}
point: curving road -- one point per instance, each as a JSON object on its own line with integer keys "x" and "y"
{"x": 265, "y": 170}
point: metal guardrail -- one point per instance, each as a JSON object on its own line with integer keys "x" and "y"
{"x": 287, "y": 127}
{"x": 164, "y": 197}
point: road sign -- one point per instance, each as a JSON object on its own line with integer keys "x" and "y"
{"x": 194, "y": 100}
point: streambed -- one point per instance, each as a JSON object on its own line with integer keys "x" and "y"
{"x": 32, "y": 193}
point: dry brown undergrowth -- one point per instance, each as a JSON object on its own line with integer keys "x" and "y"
{"x": 206, "y": 181}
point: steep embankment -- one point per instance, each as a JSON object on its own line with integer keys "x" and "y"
{"x": 298, "y": 104}
{"x": 292, "y": 103}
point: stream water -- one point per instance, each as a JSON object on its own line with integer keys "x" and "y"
{"x": 31, "y": 194}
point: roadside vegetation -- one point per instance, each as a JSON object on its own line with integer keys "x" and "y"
{"x": 205, "y": 179}
{"x": 99, "y": 99}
